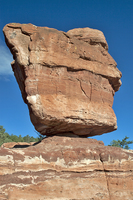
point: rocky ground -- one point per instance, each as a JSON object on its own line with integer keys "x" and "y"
{"x": 66, "y": 168}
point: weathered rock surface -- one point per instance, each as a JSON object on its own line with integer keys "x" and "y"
{"x": 68, "y": 80}
{"x": 66, "y": 168}
{"x": 16, "y": 144}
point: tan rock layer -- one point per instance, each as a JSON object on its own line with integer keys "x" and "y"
{"x": 68, "y": 80}
{"x": 66, "y": 168}
{"x": 16, "y": 144}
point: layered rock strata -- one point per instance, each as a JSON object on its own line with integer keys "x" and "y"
{"x": 66, "y": 168}
{"x": 68, "y": 80}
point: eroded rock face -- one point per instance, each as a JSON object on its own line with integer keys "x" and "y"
{"x": 66, "y": 168}
{"x": 68, "y": 80}
{"x": 17, "y": 144}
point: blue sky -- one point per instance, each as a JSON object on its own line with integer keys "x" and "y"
{"x": 114, "y": 18}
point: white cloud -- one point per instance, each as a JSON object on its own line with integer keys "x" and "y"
{"x": 5, "y": 61}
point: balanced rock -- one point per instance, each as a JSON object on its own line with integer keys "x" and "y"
{"x": 68, "y": 80}
{"x": 66, "y": 168}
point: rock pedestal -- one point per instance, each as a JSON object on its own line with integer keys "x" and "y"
{"x": 64, "y": 168}
{"x": 68, "y": 80}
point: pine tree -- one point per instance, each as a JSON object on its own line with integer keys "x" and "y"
{"x": 121, "y": 143}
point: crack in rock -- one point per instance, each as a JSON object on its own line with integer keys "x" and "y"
{"x": 105, "y": 177}
{"x": 84, "y": 90}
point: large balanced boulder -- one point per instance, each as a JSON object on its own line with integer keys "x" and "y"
{"x": 66, "y": 168}
{"x": 68, "y": 80}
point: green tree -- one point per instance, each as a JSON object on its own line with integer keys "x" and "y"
{"x": 20, "y": 138}
{"x": 121, "y": 143}
{"x": 14, "y": 138}
{"x": 26, "y": 138}
{"x": 3, "y": 135}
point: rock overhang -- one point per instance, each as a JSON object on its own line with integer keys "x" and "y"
{"x": 68, "y": 80}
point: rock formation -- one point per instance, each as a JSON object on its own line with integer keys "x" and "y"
{"x": 17, "y": 144}
{"x": 68, "y": 80}
{"x": 66, "y": 168}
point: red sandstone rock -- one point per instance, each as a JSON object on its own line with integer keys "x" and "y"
{"x": 13, "y": 144}
{"x": 66, "y": 168}
{"x": 68, "y": 80}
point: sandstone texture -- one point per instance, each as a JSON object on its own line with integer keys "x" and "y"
{"x": 68, "y": 80}
{"x": 16, "y": 144}
{"x": 66, "y": 168}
